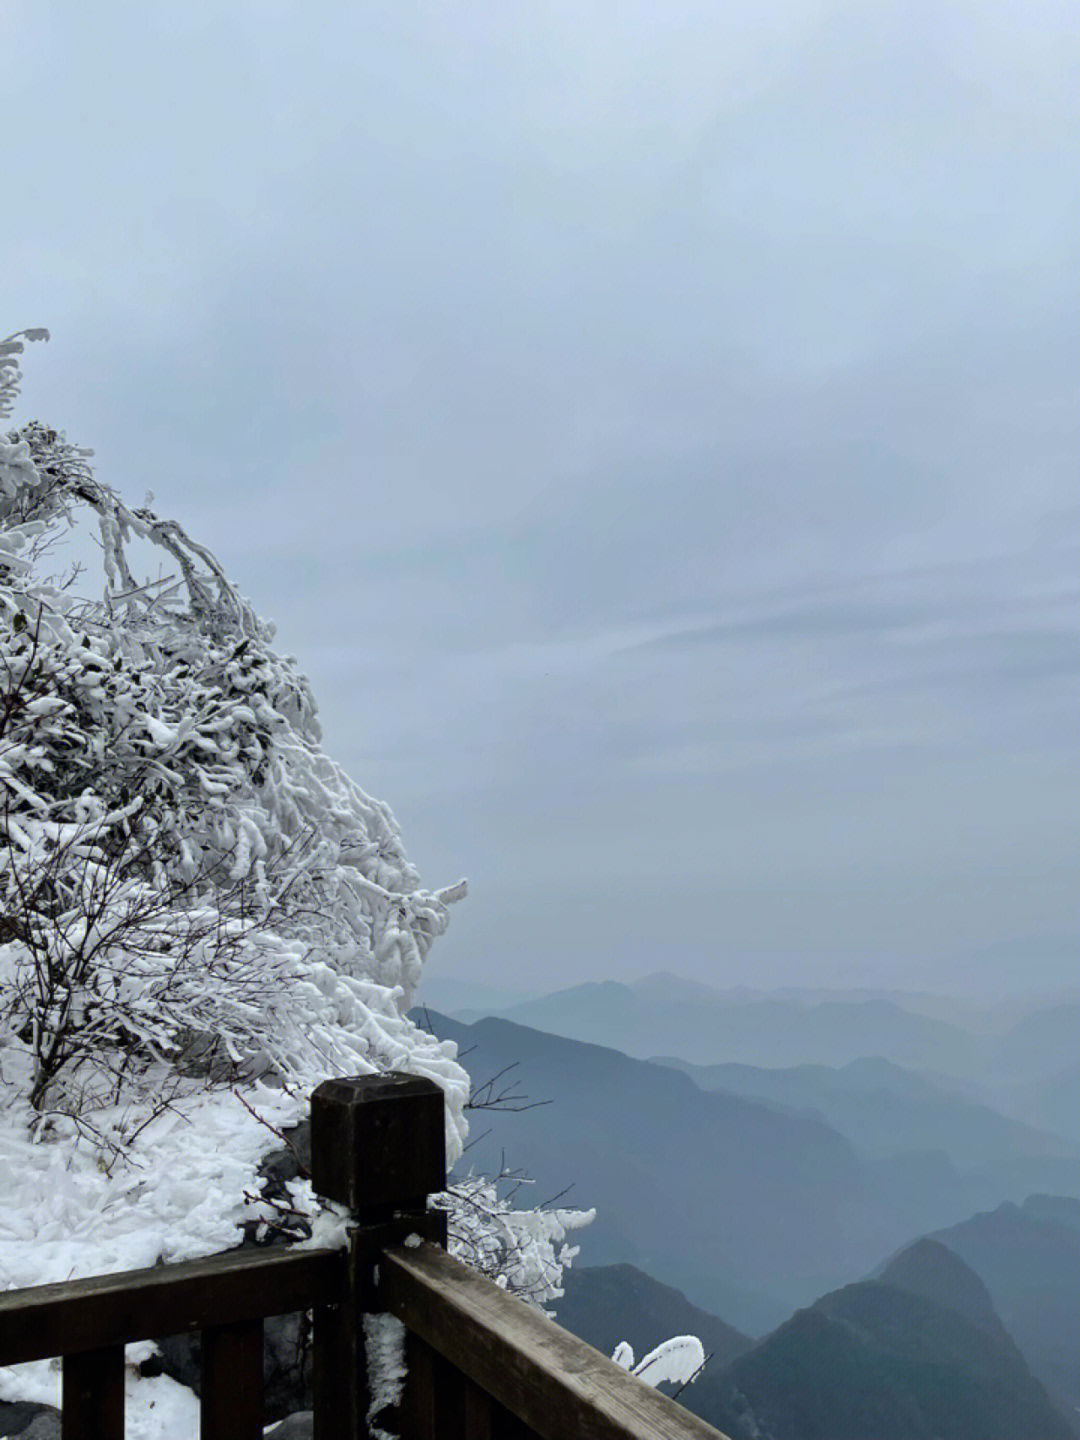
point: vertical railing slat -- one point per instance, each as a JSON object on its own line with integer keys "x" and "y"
{"x": 93, "y": 1395}
{"x": 232, "y": 1382}
{"x": 418, "y": 1419}
{"x": 478, "y": 1412}
{"x": 335, "y": 1352}
{"x": 462, "y": 1410}
{"x": 506, "y": 1426}
{"x": 458, "y": 1409}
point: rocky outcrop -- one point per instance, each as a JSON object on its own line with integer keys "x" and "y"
{"x": 28, "y": 1421}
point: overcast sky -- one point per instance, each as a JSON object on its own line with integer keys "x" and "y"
{"x": 654, "y": 428}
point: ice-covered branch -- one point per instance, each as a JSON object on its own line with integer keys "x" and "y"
{"x": 10, "y": 375}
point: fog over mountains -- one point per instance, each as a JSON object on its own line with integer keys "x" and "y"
{"x": 713, "y": 1193}
{"x": 1015, "y": 1053}
{"x": 916, "y": 1353}
{"x": 866, "y": 1191}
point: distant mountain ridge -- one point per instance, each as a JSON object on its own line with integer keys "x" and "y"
{"x": 961, "y": 1334}
{"x": 747, "y": 1208}
{"x": 916, "y": 1354}
{"x": 1028, "y": 1257}
{"x": 1005, "y": 1044}
{"x": 762, "y": 1031}
{"x": 885, "y": 1111}
{"x": 975, "y": 1015}
{"x": 715, "y": 1194}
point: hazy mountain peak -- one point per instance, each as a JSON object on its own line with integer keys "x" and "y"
{"x": 931, "y": 1269}
{"x": 877, "y": 1359}
{"x": 668, "y": 986}
{"x": 1061, "y": 1210}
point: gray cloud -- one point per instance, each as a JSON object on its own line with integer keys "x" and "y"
{"x": 655, "y": 432}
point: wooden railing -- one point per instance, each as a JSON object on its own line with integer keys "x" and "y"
{"x": 482, "y": 1365}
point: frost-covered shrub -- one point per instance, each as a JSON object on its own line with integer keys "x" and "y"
{"x": 201, "y": 915}
{"x": 177, "y": 853}
{"x": 522, "y": 1251}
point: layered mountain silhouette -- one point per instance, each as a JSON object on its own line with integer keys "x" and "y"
{"x": 749, "y": 1208}
{"x": 754, "y": 1204}
{"x": 991, "y": 1052}
{"x": 916, "y": 1354}
{"x": 708, "y": 1026}
{"x": 888, "y": 1112}
{"x": 1028, "y": 1257}
{"x": 746, "y": 1209}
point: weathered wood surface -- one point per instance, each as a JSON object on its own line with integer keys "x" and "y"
{"x": 546, "y": 1377}
{"x": 378, "y": 1146}
{"x": 231, "y": 1404}
{"x": 378, "y": 1142}
{"x": 105, "y": 1310}
{"x": 92, "y": 1388}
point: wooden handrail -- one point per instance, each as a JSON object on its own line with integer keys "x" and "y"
{"x": 483, "y": 1365}
{"x": 106, "y": 1310}
{"x": 554, "y": 1382}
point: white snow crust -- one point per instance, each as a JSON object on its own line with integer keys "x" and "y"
{"x": 677, "y": 1360}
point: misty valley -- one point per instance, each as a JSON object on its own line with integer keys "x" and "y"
{"x": 866, "y": 1205}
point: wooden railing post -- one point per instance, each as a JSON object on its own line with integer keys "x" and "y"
{"x": 377, "y": 1146}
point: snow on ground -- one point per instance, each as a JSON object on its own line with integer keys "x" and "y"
{"x": 63, "y": 1218}
{"x": 154, "y": 1409}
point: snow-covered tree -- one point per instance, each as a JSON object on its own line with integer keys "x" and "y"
{"x": 201, "y": 915}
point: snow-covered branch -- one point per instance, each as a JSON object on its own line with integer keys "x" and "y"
{"x": 201, "y": 915}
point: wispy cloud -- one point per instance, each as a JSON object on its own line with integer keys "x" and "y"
{"x": 654, "y": 429}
